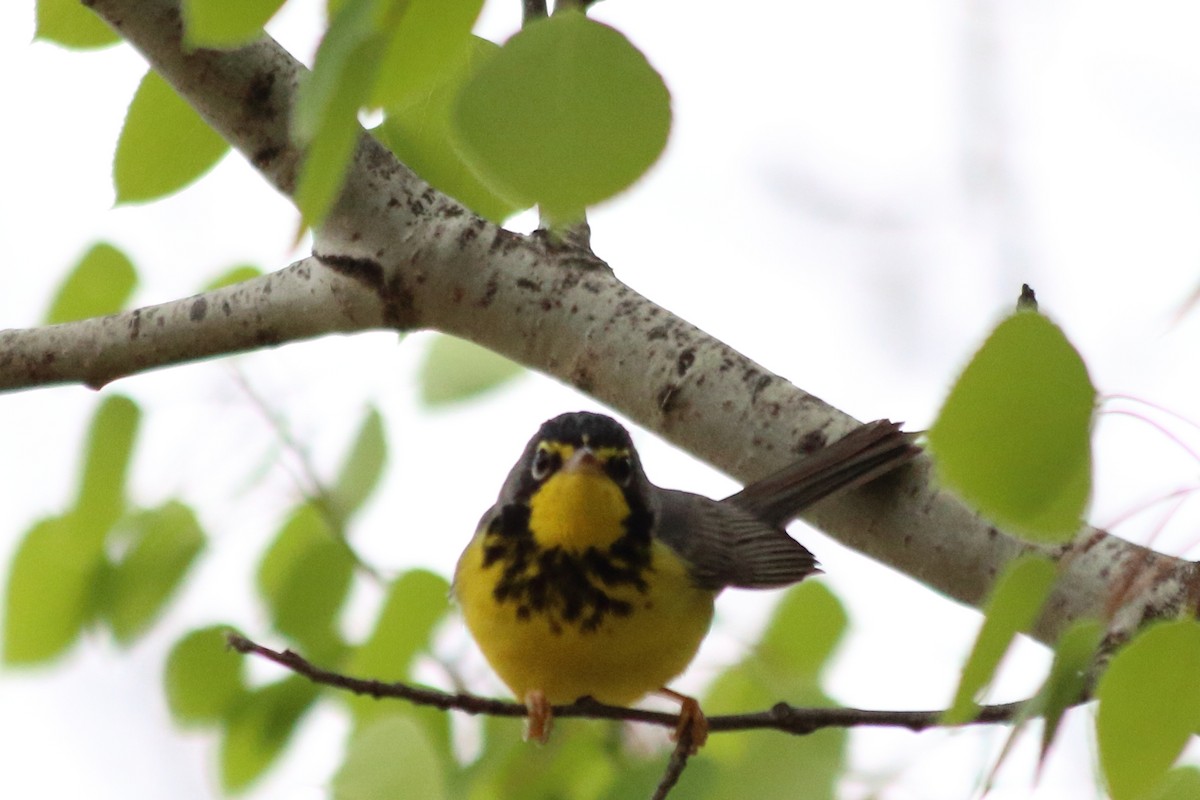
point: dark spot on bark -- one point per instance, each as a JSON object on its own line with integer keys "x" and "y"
{"x": 199, "y": 310}
{"x": 583, "y": 380}
{"x": 258, "y": 94}
{"x": 656, "y": 333}
{"x": 529, "y": 285}
{"x": 468, "y": 235}
{"x": 489, "y": 292}
{"x": 265, "y": 156}
{"x": 364, "y": 270}
{"x": 760, "y": 382}
{"x": 668, "y": 398}
{"x": 811, "y": 442}
{"x": 398, "y": 303}
{"x": 685, "y": 361}
{"x": 135, "y": 324}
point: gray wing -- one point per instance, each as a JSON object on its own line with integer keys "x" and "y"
{"x": 724, "y": 545}
{"x": 740, "y": 541}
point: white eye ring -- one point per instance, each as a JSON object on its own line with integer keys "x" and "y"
{"x": 544, "y": 462}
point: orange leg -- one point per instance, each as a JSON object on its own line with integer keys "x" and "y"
{"x": 692, "y": 721}
{"x": 541, "y": 719}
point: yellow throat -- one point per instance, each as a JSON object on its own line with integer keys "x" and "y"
{"x": 579, "y": 506}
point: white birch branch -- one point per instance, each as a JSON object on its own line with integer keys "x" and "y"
{"x": 396, "y": 253}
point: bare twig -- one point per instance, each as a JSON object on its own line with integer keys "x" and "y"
{"x": 675, "y": 765}
{"x": 782, "y": 717}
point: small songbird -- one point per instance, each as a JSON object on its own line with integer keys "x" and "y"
{"x": 587, "y": 580}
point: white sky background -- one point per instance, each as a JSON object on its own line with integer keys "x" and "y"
{"x": 852, "y": 195}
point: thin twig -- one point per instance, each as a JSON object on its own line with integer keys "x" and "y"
{"x": 308, "y": 482}
{"x": 675, "y": 765}
{"x": 782, "y": 717}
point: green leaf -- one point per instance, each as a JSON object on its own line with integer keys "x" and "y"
{"x": 225, "y": 24}
{"x": 577, "y": 762}
{"x": 1149, "y": 706}
{"x": 1068, "y": 680}
{"x": 432, "y": 38}
{"x": 164, "y": 144}
{"x": 1181, "y": 783}
{"x": 164, "y": 543}
{"x": 304, "y": 578}
{"x": 389, "y": 758}
{"x": 70, "y": 24}
{"x": 260, "y": 727}
{"x": 1013, "y": 436}
{"x": 101, "y": 500}
{"x": 100, "y": 283}
{"x": 1018, "y": 596}
{"x": 455, "y": 370}
{"x": 416, "y": 602}
{"x": 1074, "y": 654}
{"x": 420, "y": 132}
{"x": 203, "y": 677}
{"x": 242, "y": 272}
{"x": 326, "y": 117}
{"x": 48, "y": 598}
{"x": 801, "y": 637}
{"x": 363, "y": 468}
{"x": 567, "y": 114}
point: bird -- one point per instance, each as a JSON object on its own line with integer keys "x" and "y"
{"x": 586, "y": 580}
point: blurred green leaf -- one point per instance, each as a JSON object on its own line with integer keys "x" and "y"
{"x": 455, "y": 370}
{"x": 1181, "y": 783}
{"x": 1149, "y": 706}
{"x": 203, "y": 677}
{"x": 1013, "y": 436}
{"x": 578, "y": 763}
{"x": 785, "y": 666}
{"x": 388, "y": 759}
{"x": 225, "y": 24}
{"x": 567, "y": 114}
{"x": 48, "y": 598}
{"x": 100, "y": 283}
{"x": 101, "y": 500}
{"x": 801, "y": 637}
{"x": 416, "y": 602}
{"x": 163, "y": 544}
{"x": 1064, "y": 686}
{"x": 164, "y": 144}
{"x": 260, "y": 727}
{"x": 304, "y": 578}
{"x": 343, "y": 78}
{"x": 70, "y": 24}
{"x": 1016, "y": 599}
{"x": 363, "y": 468}
{"x": 420, "y": 132}
{"x": 1068, "y": 680}
{"x": 431, "y": 39}
{"x": 242, "y": 272}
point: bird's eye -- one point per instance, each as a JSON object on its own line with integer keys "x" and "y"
{"x": 620, "y": 469}
{"x": 544, "y": 462}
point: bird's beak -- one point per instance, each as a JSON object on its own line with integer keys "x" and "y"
{"x": 583, "y": 462}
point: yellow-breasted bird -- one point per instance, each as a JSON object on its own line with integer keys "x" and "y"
{"x": 585, "y": 579}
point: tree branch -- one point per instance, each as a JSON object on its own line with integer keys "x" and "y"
{"x": 396, "y": 253}
{"x": 780, "y": 717}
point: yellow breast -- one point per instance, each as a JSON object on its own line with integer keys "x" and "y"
{"x": 627, "y": 639}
